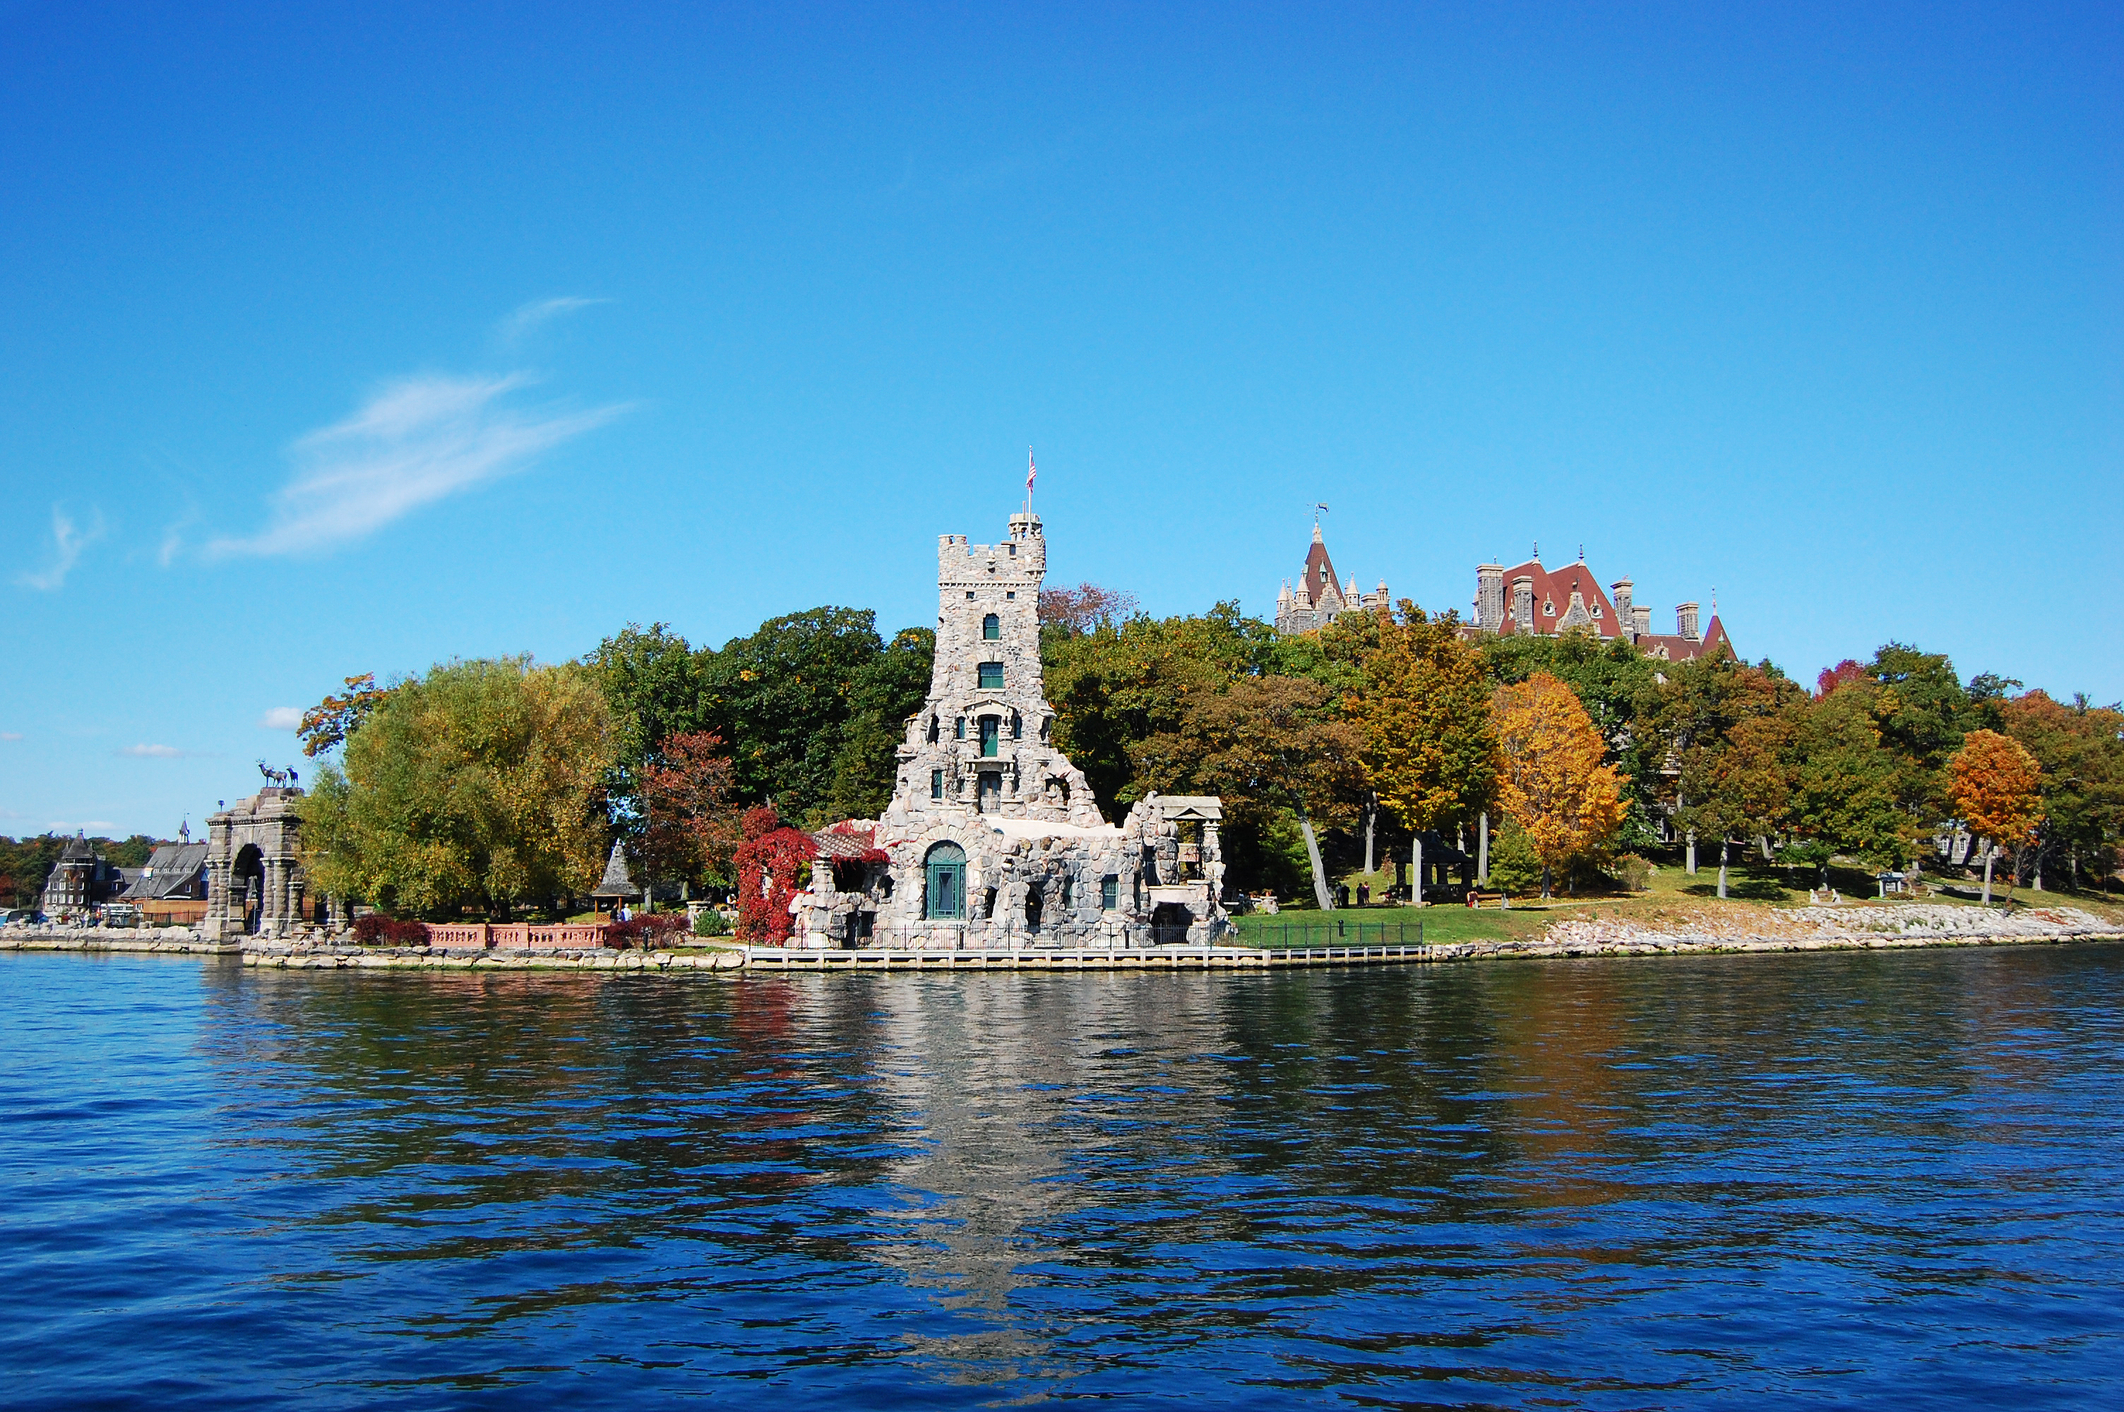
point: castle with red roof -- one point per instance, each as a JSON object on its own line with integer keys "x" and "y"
{"x": 1528, "y": 598}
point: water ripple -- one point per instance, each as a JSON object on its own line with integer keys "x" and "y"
{"x": 1703, "y": 1182}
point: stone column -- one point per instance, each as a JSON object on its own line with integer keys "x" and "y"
{"x": 217, "y": 919}
{"x": 271, "y": 905}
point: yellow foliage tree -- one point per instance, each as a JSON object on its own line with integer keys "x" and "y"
{"x": 1994, "y": 787}
{"x": 480, "y": 783}
{"x": 1554, "y": 783}
{"x": 1430, "y": 752}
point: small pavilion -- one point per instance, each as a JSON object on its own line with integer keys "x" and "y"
{"x": 617, "y": 886}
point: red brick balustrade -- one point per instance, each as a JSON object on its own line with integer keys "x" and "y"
{"x": 521, "y": 935}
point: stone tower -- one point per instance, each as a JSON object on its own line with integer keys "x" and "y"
{"x": 983, "y": 741}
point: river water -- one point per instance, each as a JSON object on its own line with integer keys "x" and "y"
{"x": 1761, "y": 1181}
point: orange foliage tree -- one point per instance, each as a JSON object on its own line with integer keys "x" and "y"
{"x": 1994, "y": 788}
{"x": 1554, "y": 783}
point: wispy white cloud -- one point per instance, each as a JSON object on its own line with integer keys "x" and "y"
{"x": 69, "y": 539}
{"x": 83, "y": 825}
{"x": 538, "y": 311}
{"x": 153, "y": 752}
{"x": 173, "y": 537}
{"x": 10, "y": 735}
{"x": 281, "y": 718}
{"x": 415, "y": 442}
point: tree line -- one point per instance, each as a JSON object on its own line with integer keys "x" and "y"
{"x": 500, "y": 784}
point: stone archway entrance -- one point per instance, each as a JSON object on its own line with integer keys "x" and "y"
{"x": 254, "y": 873}
{"x": 247, "y": 887}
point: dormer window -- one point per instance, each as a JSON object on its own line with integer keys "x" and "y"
{"x": 1596, "y": 610}
{"x": 991, "y": 676}
{"x": 1548, "y": 610}
{"x": 991, "y": 628}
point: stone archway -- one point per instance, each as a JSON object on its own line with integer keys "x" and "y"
{"x": 247, "y": 888}
{"x": 254, "y": 872}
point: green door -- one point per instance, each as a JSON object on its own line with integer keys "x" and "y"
{"x": 946, "y": 893}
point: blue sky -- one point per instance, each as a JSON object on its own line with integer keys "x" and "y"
{"x": 361, "y": 338}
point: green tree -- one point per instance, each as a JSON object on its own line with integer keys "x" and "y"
{"x": 1265, "y": 744}
{"x": 481, "y": 783}
{"x": 1847, "y": 786}
{"x": 1719, "y": 724}
{"x": 652, "y": 684}
{"x": 1120, "y": 684}
{"x": 783, "y": 698}
{"x": 2080, "y": 750}
{"x": 885, "y": 693}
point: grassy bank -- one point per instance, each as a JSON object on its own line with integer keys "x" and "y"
{"x": 1673, "y": 896}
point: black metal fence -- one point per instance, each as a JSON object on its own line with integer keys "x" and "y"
{"x": 1339, "y": 932}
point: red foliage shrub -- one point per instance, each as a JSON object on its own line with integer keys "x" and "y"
{"x": 767, "y": 865}
{"x": 375, "y": 929}
{"x": 644, "y": 932}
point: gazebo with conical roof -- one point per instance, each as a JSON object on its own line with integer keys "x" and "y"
{"x": 617, "y": 886}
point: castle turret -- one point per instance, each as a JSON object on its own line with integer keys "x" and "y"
{"x": 1625, "y": 620}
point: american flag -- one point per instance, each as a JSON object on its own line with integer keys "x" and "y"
{"x": 1030, "y": 470}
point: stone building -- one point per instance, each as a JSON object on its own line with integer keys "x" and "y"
{"x": 992, "y": 838}
{"x": 1531, "y": 599}
{"x": 254, "y": 876}
{"x": 1318, "y": 599}
{"x": 81, "y": 880}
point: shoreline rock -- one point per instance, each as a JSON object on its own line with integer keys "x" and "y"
{"x": 1696, "y": 932}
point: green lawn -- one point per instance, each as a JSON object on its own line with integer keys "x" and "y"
{"x": 1374, "y": 926}
{"x": 1673, "y": 894}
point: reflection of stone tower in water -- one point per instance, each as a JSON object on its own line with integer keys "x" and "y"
{"x": 992, "y": 837}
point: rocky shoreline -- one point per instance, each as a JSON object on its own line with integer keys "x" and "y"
{"x": 1704, "y": 932}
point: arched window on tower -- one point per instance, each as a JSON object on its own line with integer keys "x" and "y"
{"x": 991, "y": 628}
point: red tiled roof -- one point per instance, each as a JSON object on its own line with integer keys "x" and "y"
{"x": 1672, "y": 648}
{"x": 1553, "y": 587}
{"x": 1319, "y": 569}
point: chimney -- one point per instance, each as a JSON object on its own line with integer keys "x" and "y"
{"x": 1640, "y": 622}
{"x": 1489, "y": 597}
{"x": 1625, "y": 619}
{"x": 1523, "y": 603}
{"x": 1685, "y": 620}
